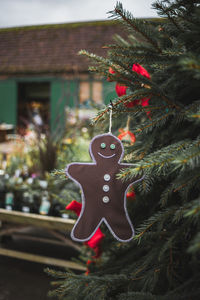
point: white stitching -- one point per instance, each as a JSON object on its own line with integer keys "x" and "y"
{"x": 106, "y": 156}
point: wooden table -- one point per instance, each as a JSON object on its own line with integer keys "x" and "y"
{"x": 18, "y": 220}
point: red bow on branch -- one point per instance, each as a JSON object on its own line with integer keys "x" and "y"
{"x": 127, "y": 135}
{"x": 121, "y": 88}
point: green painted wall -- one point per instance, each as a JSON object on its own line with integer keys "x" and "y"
{"x": 8, "y": 101}
{"x": 63, "y": 92}
{"x": 109, "y": 91}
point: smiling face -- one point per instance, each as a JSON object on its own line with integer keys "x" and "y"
{"x": 106, "y": 147}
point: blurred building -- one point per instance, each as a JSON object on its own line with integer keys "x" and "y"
{"x": 41, "y": 71}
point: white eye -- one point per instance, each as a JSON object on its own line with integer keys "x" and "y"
{"x": 112, "y": 146}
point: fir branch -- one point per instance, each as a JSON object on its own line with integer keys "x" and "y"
{"x": 191, "y": 107}
{"x": 121, "y": 100}
{"x": 160, "y": 216}
{"x": 160, "y": 161}
{"x": 184, "y": 183}
{"x": 187, "y": 160}
{"x": 195, "y": 244}
{"x": 138, "y": 236}
{"x": 138, "y": 295}
{"x": 59, "y": 173}
{"x": 167, "y": 245}
{"x": 132, "y": 97}
{"x": 164, "y": 11}
{"x": 127, "y": 17}
{"x": 153, "y": 123}
{"x": 168, "y": 101}
{"x": 194, "y": 178}
{"x": 193, "y": 209}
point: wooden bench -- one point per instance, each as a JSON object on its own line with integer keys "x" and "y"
{"x": 13, "y": 222}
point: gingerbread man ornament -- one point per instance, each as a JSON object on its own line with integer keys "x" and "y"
{"x": 103, "y": 195}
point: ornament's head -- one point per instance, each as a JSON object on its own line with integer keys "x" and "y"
{"x": 106, "y": 147}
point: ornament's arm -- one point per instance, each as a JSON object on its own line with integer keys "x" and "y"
{"x": 73, "y": 171}
{"x": 137, "y": 179}
{"x": 134, "y": 180}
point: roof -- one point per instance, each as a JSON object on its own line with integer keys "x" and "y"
{"x": 53, "y": 48}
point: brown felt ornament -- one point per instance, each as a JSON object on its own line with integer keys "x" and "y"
{"x": 103, "y": 194}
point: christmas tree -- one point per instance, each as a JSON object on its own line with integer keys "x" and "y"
{"x": 157, "y": 74}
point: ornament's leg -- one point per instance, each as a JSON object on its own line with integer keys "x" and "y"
{"x": 85, "y": 226}
{"x": 121, "y": 226}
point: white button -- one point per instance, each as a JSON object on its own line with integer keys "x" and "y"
{"x": 106, "y": 199}
{"x": 106, "y": 177}
{"x": 106, "y": 188}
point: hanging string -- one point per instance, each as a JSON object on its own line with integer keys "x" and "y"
{"x": 128, "y": 123}
{"x": 110, "y": 117}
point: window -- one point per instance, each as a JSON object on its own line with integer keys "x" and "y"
{"x": 84, "y": 91}
{"x": 97, "y": 92}
{"x": 90, "y": 91}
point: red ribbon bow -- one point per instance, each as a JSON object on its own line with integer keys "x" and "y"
{"x": 127, "y": 135}
{"x": 121, "y": 88}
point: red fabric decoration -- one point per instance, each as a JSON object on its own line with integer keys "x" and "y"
{"x": 127, "y": 135}
{"x": 89, "y": 262}
{"x": 121, "y": 88}
{"x": 132, "y": 103}
{"x": 130, "y": 195}
{"x": 111, "y": 71}
{"x": 95, "y": 241}
{"x": 140, "y": 70}
{"x": 75, "y": 207}
{"x": 144, "y": 101}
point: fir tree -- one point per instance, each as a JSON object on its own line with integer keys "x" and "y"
{"x": 162, "y": 261}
